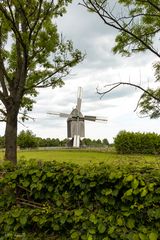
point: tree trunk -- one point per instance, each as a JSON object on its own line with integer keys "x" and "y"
{"x": 11, "y": 137}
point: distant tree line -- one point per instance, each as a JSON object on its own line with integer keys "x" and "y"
{"x": 27, "y": 139}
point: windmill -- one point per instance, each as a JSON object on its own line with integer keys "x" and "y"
{"x": 76, "y": 121}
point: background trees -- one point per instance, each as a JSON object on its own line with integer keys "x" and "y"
{"x": 32, "y": 56}
{"x": 138, "y": 26}
{"x": 27, "y": 139}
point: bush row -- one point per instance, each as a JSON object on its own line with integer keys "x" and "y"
{"x": 135, "y": 142}
{"x": 61, "y": 201}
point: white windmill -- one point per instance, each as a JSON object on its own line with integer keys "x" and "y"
{"x": 75, "y": 121}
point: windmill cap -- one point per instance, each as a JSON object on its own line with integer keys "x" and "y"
{"x": 75, "y": 113}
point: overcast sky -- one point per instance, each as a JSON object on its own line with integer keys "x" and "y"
{"x": 100, "y": 67}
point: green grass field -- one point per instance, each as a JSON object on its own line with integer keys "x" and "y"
{"x": 87, "y": 157}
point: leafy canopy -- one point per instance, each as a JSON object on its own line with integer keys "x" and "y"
{"x": 138, "y": 25}
{"x": 32, "y": 54}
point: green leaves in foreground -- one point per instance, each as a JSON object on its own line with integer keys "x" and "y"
{"x": 63, "y": 201}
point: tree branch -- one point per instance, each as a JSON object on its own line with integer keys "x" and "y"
{"x": 2, "y": 69}
{"x": 42, "y": 21}
{"x": 115, "y": 85}
{"x": 153, "y": 5}
{"x": 12, "y": 21}
{"x": 115, "y": 23}
{"x": 36, "y": 21}
{"x": 27, "y": 202}
{"x": 138, "y": 15}
{"x": 60, "y": 69}
{"x": 2, "y": 98}
{"x": 3, "y": 112}
{"x": 24, "y": 14}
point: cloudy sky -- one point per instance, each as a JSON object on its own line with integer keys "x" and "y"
{"x": 99, "y": 68}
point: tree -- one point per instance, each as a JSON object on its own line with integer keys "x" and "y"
{"x": 26, "y": 139}
{"x": 64, "y": 142}
{"x": 86, "y": 142}
{"x": 105, "y": 142}
{"x": 97, "y": 143}
{"x": 138, "y": 25}
{"x": 32, "y": 56}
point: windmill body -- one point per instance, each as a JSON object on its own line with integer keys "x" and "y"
{"x": 75, "y": 124}
{"x": 76, "y": 121}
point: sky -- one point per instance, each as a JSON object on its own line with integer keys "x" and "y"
{"x": 100, "y": 67}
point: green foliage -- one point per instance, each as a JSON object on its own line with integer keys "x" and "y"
{"x": 32, "y": 24}
{"x": 137, "y": 22}
{"x": 143, "y": 143}
{"x": 105, "y": 142}
{"x": 1, "y": 141}
{"x": 62, "y": 201}
{"x": 95, "y": 143}
{"x": 138, "y": 25}
{"x": 27, "y": 140}
{"x": 141, "y": 27}
{"x": 149, "y": 106}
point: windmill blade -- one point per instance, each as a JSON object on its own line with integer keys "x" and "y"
{"x": 101, "y": 119}
{"x": 90, "y": 118}
{"x": 94, "y": 118}
{"x": 65, "y": 115}
{"x": 79, "y": 98}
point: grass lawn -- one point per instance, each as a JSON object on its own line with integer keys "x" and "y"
{"x": 84, "y": 157}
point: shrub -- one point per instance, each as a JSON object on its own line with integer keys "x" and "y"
{"x": 143, "y": 143}
{"x": 63, "y": 201}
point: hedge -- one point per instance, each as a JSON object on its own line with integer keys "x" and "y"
{"x": 62, "y": 201}
{"x": 136, "y": 142}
